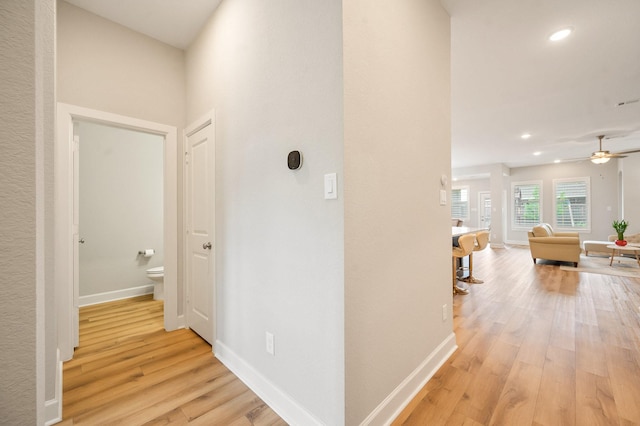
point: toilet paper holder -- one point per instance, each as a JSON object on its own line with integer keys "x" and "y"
{"x": 146, "y": 252}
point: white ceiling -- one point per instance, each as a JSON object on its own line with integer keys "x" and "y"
{"x": 507, "y": 77}
{"x": 174, "y": 22}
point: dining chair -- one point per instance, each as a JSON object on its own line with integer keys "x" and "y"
{"x": 481, "y": 242}
{"x": 465, "y": 248}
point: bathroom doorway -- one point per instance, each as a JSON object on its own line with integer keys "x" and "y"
{"x": 120, "y": 199}
{"x": 67, "y": 238}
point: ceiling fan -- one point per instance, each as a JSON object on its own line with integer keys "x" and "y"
{"x": 601, "y": 156}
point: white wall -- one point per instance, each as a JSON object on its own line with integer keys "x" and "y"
{"x": 107, "y": 67}
{"x": 27, "y": 310}
{"x": 397, "y": 236}
{"x": 630, "y": 168}
{"x": 604, "y": 195}
{"x": 273, "y": 73}
{"x": 121, "y": 206}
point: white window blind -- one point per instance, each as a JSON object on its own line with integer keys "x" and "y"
{"x": 527, "y": 208}
{"x": 460, "y": 203}
{"x": 571, "y": 198}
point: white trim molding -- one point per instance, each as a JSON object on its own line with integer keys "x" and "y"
{"x": 53, "y": 407}
{"x": 279, "y": 401}
{"x": 67, "y": 298}
{"x": 400, "y": 397}
{"x": 111, "y": 296}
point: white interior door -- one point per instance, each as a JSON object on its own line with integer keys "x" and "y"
{"x": 484, "y": 210}
{"x": 200, "y": 184}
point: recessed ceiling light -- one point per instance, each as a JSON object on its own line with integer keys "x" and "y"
{"x": 525, "y": 136}
{"x": 561, "y": 34}
{"x": 537, "y": 153}
{"x": 557, "y": 161}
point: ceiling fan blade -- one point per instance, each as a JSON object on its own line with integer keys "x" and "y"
{"x": 630, "y": 151}
{"x": 574, "y": 160}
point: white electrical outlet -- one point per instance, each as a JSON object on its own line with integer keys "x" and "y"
{"x": 270, "y": 343}
{"x": 444, "y": 312}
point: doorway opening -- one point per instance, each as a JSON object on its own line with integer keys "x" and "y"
{"x": 67, "y": 209}
{"x": 120, "y": 199}
{"x": 484, "y": 209}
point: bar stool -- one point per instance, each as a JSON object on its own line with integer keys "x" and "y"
{"x": 482, "y": 240}
{"x": 466, "y": 243}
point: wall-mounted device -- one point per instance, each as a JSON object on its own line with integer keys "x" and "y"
{"x": 294, "y": 160}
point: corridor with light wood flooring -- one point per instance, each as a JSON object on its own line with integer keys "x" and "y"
{"x": 536, "y": 346}
{"x": 129, "y": 371}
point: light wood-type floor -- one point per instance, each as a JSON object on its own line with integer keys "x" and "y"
{"x": 129, "y": 371}
{"x": 538, "y": 346}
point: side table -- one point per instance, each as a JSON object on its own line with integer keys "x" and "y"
{"x": 623, "y": 249}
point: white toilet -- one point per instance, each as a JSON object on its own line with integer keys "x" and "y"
{"x": 157, "y": 276}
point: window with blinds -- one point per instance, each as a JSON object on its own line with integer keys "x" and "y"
{"x": 527, "y": 204}
{"x": 460, "y": 203}
{"x": 572, "y": 204}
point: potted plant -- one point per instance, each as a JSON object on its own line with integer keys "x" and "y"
{"x": 620, "y": 227}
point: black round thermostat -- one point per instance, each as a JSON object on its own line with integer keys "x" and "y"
{"x": 294, "y": 160}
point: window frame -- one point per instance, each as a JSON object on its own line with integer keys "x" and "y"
{"x": 587, "y": 181}
{"x": 462, "y": 187}
{"x": 526, "y": 226}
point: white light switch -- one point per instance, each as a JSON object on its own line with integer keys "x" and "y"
{"x": 443, "y": 197}
{"x": 330, "y": 186}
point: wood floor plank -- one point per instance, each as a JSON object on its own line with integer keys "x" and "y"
{"x": 445, "y": 391}
{"x": 517, "y": 401}
{"x": 595, "y": 404}
{"x": 533, "y": 348}
{"x": 230, "y": 411}
{"x": 590, "y": 350}
{"x": 153, "y": 393}
{"x": 624, "y": 374}
{"x": 556, "y": 399}
{"x": 174, "y": 399}
{"x": 482, "y": 394}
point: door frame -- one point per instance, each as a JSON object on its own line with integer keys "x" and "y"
{"x": 208, "y": 119}
{"x": 64, "y": 181}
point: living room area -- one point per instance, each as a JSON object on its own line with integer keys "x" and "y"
{"x": 544, "y": 131}
{"x": 548, "y": 129}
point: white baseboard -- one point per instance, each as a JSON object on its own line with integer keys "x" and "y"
{"x": 110, "y": 296}
{"x": 285, "y": 406}
{"x": 53, "y": 407}
{"x": 517, "y": 243}
{"x": 396, "y": 401}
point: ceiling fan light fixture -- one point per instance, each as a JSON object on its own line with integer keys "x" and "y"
{"x": 561, "y": 34}
{"x": 599, "y": 158}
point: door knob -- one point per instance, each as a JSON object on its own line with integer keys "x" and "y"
{"x": 81, "y": 240}
{"x": 206, "y": 246}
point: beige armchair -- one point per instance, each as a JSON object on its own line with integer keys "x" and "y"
{"x": 546, "y": 244}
